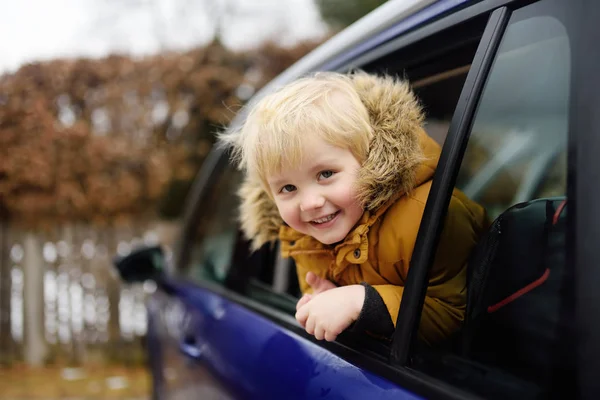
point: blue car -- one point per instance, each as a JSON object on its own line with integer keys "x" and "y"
{"x": 511, "y": 91}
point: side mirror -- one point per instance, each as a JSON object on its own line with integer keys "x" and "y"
{"x": 145, "y": 263}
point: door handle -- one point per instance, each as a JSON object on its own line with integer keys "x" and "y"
{"x": 190, "y": 348}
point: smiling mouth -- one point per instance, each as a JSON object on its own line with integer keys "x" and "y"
{"x": 326, "y": 219}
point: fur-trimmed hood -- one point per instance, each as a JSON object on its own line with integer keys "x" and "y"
{"x": 401, "y": 156}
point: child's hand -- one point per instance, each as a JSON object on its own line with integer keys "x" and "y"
{"x": 325, "y": 316}
{"x": 318, "y": 285}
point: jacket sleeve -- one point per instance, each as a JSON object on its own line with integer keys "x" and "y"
{"x": 374, "y": 317}
{"x": 445, "y": 301}
{"x": 438, "y": 320}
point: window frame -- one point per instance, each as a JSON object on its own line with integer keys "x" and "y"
{"x": 581, "y": 156}
{"x": 584, "y": 225}
{"x": 444, "y": 179}
{"x": 454, "y": 169}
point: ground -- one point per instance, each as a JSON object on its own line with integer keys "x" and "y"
{"x": 88, "y": 383}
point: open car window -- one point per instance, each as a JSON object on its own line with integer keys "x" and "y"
{"x": 218, "y": 253}
{"x": 436, "y": 66}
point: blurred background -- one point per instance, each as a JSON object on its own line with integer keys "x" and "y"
{"x": 107, "y": 111}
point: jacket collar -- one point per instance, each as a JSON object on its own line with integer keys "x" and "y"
{"x": 298, "y": 242}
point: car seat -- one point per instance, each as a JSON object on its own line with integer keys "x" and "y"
{"x": 520, "y": 295}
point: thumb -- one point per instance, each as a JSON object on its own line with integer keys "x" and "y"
{"x": 305, "y": 299}
{"x": 312, "y": 279}
{"x": 317, "y": 283}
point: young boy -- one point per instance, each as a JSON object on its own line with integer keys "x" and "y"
{"x": 338, "y": 169}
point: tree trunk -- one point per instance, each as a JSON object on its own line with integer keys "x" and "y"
{"x": 5, "y": 287}
{"x": 35, "y": 347}
{"x": 113, "y": 291}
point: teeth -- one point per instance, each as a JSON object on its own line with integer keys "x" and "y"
{"x": 323, "y": 220}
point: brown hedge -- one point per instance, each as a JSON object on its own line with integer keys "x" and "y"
{"x": 100, "y": 140}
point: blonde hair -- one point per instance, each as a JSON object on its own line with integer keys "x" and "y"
{"x": 275, "y": 133}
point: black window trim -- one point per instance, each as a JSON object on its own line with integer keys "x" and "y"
{"x": 483, "y": 8}
{"x": 443, "y": 183}
{"x": 583, "y": 191}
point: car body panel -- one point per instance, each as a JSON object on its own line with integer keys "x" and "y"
{"x": 174, "y": 375}
{"x": 254, "y": 358}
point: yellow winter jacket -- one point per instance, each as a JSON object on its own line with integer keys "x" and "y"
{"x": 393, "y": 185}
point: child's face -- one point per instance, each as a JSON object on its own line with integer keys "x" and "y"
{"x": 317, "y": 197}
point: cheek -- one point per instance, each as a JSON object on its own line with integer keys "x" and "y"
{"x": 346, "y": 197}
{"x": 287, "y": 213}
{"x": 354, "y": 210}
{"x": 349, "y": 202}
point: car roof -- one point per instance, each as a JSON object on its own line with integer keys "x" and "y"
{"x": 385, "y": 22}
{"x": 383, "y": 17}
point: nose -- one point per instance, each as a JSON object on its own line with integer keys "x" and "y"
{"x": 312, "y": 200}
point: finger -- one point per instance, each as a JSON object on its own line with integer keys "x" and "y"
{"x": 319, "y": 332}
{"x": 302, "y": 315}
{"x": 317, "y": 283}
{"x": 330, "y": 335}
{"x": 312, "y": 279}
{"x": 305, "y": 299}
{"x": 310, "y": 325}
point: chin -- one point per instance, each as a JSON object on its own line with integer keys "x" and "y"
{"x": 331, "y": 239}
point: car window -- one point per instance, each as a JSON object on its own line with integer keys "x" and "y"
{"x": 219, "y": 254}
{"x": 439, "y": 95}
{"x": 216, "y": 250}
{"x": 516, "y": 153}
{"x": 216, "y": 230}
{"x": 436, "y": 67}
{"x": 520, "y": 130}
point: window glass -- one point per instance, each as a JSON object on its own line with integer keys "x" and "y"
{"x": 520, "y": 130}
{"x": 219, "y": 254}
{"x": 438, "y": 95}
{"x": 516, "y": 153}
{"x": 213, "y": 243}
{"x": 436, "y": 67}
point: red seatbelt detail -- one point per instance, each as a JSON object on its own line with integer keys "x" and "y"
{"x": 559, "y": 211}
{"x": 520, "y": 292}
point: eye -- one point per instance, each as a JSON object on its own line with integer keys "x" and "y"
{"x": 287, "y": 189}
{"x": 326, "y": 174}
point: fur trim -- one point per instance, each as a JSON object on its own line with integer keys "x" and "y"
{"x": 391, "y": 165}
{"x": 394, "y": 152}
{"x": 259, "y": 216}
